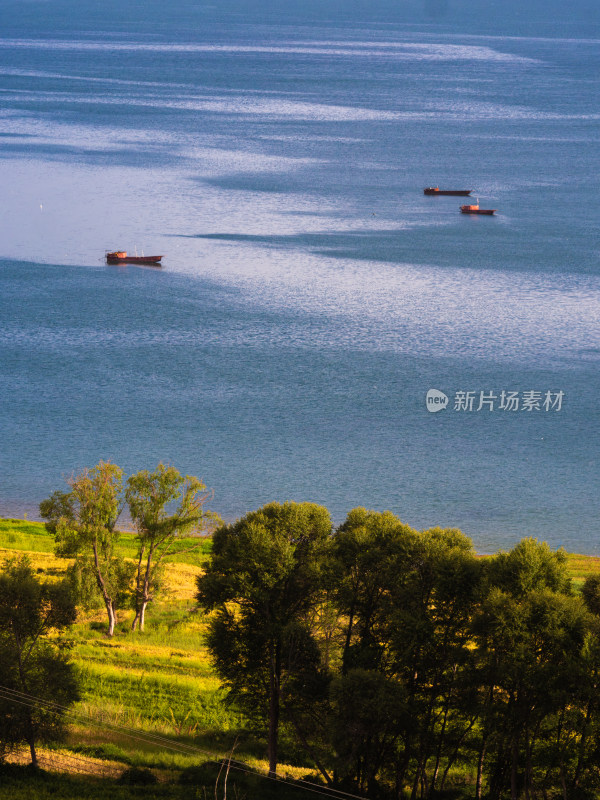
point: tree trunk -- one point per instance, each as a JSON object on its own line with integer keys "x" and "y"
{"x": 143, "y": 613}
{"x": 308, "y": 748}
{"x": 31, "y": 742}
{"x": 138, "y": 575}
{"x": 514, "y": 791}
{"x": 30, "y": 736}
{"x": 112, "y": 617}
{"x": 419, "y": 773}
{"x": 399, "y": 783}
{"x": 452, "y": 758}
{"x": 563, "y": 782}
{"x": 145, "y": 598}
{"x": 108, "y": 601}
{"x": 438, "y": 758}
{"x": 140, "y": 616}
{"x": 402, "y": 767}
{"x": 480, "y": 769}
{"x": 528, "y": 767}
{"x": 581, "y": 746}
{"x": 482, "y": 752}
{"x": 274, "y": 708}
{"x": 142, "y": 589}
{"x": 347, "y": 642}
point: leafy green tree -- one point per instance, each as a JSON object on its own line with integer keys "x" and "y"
{"x": 264, "y": 579}
{"x": 364, "y": 555}
{"x": 590, "y": 591}
{"x": 534, "y": 650}
{"x": 159, "y": 532}
{"x": 33, "y": 657}
{"x": 434, "y": 600}
{"x": 406, "y": 599}
{"x": 83, "y": 523}
{"x": 531, "y": 633}
{"x": 530, "y": 566}
{"x": 582, "y": 720}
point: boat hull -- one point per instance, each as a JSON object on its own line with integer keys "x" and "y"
{"x": 486, "y": 211}
{"x": 448, "y": 192}
{"x": 134, "y": 260}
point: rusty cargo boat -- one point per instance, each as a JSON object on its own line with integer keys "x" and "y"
{"x": 435, "y": 190}
{"x": 121, "y": 257}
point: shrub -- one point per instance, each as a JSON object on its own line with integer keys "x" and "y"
{"x": 200, "y": 774}
{"x": 137, "y": 776}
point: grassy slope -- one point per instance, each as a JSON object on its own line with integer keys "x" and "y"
{"x": 160, "y": 681}
{"x": 28, "y": 536}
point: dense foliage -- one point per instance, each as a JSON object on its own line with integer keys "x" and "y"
{"x": 397, "y": 658}
{"x": 264, "y": 580}
{"x": 34, "y": 659}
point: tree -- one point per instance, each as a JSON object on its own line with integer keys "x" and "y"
{"x": 531, "y": 635}
{"x": 264, "y": 578}
{"x": 406, "y": 598}
{"x": 159, "y": 532}
{"x": 590, "y": 592}
{"x": 530, "y": 565}
{"x": 363, "y": 557}
{"x": 33, "y": 657}
{"x": 83, "y": 523}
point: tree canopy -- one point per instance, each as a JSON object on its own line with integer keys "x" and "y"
{"x": 160, "y": 528}
{"x": 83, "y": 522}
{"x": 265, "y": 576}
{"x": 395, "y": 656}
{"x": 34, "y": 661}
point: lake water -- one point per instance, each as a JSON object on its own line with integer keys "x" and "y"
{"x": 311, "y": 295}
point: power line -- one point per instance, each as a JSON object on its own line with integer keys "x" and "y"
{"x": 330, "y": 792}
{"x": 105, "y": 769}
{"x": 23, "y": 698}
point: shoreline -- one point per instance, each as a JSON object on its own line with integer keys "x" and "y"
{"x": 593, "y": 559}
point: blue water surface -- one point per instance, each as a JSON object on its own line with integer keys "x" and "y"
{"x": 310, "y": 294}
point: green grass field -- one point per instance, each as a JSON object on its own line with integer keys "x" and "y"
{"x": 16, "y": 534}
